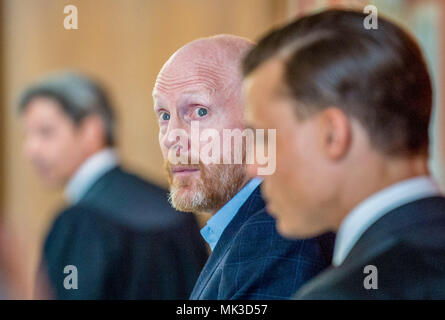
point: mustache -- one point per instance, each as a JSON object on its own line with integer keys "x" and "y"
{"x": 169, "y": 166}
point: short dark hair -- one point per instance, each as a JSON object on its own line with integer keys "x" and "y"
{"x": 378, "y": 77}
{"x": 78, "y": 96}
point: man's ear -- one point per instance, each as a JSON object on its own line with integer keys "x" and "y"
{"x": 336, "y": 133}
{"x": 93, "y": 132}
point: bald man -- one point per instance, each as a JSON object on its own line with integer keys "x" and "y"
{"x": 197, "y": 96}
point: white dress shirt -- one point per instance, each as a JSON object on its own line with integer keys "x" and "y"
{"x": 377, "y": 205}
{"x": 89, "y": 172}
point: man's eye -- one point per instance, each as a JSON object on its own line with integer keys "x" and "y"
{"x": 165, "y": 116}
{"x": 201, "y": 112}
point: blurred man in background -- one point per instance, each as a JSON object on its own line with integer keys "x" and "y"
{"x": 352, "y": 109}
{"x": 118, "y": 238}
{"x": 201, "y": 85}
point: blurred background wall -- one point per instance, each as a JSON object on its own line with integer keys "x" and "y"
{"x": 124, "y": 43}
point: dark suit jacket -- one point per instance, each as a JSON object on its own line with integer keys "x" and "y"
{"x": 252, "y": 261}
{"x": 126, "y": 242}
{"x": 407, "y": 246}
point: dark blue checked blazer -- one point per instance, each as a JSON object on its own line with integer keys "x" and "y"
{"x": 252, "y": 261}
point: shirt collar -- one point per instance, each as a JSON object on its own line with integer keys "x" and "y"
{"x": 215, "y": 226}
{"x": 89, "y": 172}
{"x": 377, "y": 205}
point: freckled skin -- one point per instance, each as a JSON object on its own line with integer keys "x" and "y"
{"x": 207, "y": 69}
{"x": 204, "y": 74}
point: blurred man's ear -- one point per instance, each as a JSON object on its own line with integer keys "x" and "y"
{"x": 336, "y": 133}
{"x": 93, "y": 133}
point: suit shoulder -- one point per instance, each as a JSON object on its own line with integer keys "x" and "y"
{"x": 135, "y": 183}
{"x": 426, "y": 234}
{"x": 79, "y": 226}
{"x": 80, "y": 217}
{"x": 422, "y": 250}
{"x": 73, "y": 214}
{"x": 258, "y": 238}
{"x": 136, "y": 203}
{"x": 402, "y": 271}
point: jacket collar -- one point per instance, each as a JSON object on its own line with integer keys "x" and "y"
{"x": 253, "y": 204}
{"x": 388, "y": 230}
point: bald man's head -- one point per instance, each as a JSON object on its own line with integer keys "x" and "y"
{"x": 214, "y": 62}
{"x": 201, "y": 83}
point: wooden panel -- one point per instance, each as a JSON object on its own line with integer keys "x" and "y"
{"x": 2, "y": 108}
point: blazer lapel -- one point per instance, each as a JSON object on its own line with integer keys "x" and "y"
{"x": 96, "y": 189}
{"x": 253, "y": 204}
{"x": 378, "y": 238}
{"x": 385, "y": 232}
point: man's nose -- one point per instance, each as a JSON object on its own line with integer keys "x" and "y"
{"x": 177, "y": 135}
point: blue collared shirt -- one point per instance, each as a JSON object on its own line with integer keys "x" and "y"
{"x": 215, "y": 226}
{"x": 376, "y": 206}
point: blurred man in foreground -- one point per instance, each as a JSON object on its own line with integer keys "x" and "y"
{"x": 352, "y": 108}
{"x": 197, "y": 99}
{"x": 118, "y": 238}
